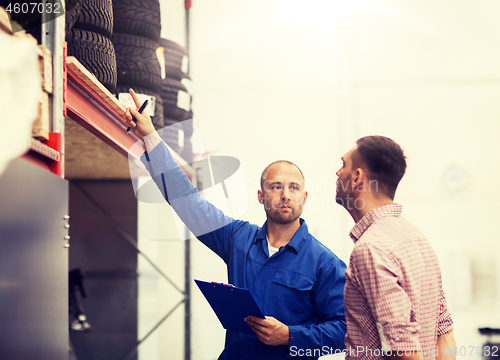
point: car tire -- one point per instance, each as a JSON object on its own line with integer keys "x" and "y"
{"x": 96, "y": 16}
{"x": 137, "y": 17}
{"x": 136, "y": 61}
{"x": 96, "y": 53}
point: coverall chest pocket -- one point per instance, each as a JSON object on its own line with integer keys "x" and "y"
{"x": 293, "y": 294}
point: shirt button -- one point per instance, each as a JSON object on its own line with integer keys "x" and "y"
{"x": 292, "y": 338}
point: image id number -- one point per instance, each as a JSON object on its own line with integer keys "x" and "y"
{"x": 472, "y": 350}
{"x": 33, "y": 8}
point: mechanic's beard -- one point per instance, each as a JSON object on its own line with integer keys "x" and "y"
{"x": 283, "y": 219}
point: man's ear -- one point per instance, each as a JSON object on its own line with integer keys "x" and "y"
{"x": 305, "y": 198}
{"x": 260, "y": 196}
{"x": 359, "y": 179}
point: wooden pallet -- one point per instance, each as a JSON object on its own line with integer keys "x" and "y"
{"x": 40, "y": 126}
{"x": 45, "y": 61}
{"x": 91, "y": 81}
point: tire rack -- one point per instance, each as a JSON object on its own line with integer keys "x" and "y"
{"x": 100, "y": 117}
{"x": 50, "y": 155}
{"x": 105, "y": 121}
{"x": 80, "y": 103}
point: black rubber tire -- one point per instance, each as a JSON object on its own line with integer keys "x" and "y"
{"x": 171, "y": 110}
{"x": 174, "y": 72}
{"x": 169, "y": 94}
{"x": 157, "y": 119}
{"x": 73, "y": 8}
{"x": 136, "y": 61}
{"x": 173, "y": 54}
{"x": 96, "y": 53}
{"x": 137, "y": 17}
{"x": 96, "y": 16}
{"x": 172, "y": 86}
{"x": 172, "y": 47}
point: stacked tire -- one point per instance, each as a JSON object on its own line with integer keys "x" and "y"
{"x": 89, "y": 39}
{"x": 136, "y": 35}
{"x": 177, "y": 113}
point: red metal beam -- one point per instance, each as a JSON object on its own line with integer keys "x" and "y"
{"x": 55, "y": 142}
{"x": 90, "y": 111}
{"x": 46, "y": 155}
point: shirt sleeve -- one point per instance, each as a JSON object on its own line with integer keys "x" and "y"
{"x": 208, "y": 223}
{"x": 328, "y": 297}
{"x": 445, "y": 323}
{"x": 378, "y": 274}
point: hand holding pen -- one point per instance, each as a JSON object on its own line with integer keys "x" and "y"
{"x": 140, "y": 112}
{"x": 138, "y": 120}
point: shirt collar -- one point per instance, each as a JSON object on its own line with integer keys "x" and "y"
{"x": 374, "y": 215}
{"x": 295, "y": 243}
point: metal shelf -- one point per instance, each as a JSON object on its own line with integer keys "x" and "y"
{"x": 93, "y": 107}
{"x": 45, "y": 150}
{"x": 91, "y": 111}
{"x": 46, "y": 155}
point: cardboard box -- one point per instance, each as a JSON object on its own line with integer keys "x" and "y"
{"x": 40, "y": 128}
{"x": 45, "y": 59}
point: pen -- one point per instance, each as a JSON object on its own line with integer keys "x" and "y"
{"x": 140, "y": 112}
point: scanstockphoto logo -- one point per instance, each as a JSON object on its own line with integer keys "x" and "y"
{"x": 345, "y": 193}
{"x": 220, "y": 180}
{"x": 31, "y": 14}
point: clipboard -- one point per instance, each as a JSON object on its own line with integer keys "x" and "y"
{"x": 231, "y": 305}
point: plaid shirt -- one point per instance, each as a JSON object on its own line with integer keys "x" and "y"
{"x": 393, "y": 296}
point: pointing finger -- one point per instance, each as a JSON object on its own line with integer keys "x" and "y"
{"x": 136, "y": 99}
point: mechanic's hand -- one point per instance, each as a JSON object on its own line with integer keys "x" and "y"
{"x": 144, "y": 125}
{"x": 269, "y": 330}
{"x": 215, "y": 282}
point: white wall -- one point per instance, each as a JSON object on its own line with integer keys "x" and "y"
{"x": 426, "y": 74}
{"x": 301, "y": 80}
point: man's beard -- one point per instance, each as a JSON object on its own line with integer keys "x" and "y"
{"x": 286, "y": 218}
{"x": 341, "y": 194}
{"x": 338, "y": 198}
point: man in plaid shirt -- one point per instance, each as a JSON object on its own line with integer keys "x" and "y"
{"x": 394, "y": 301}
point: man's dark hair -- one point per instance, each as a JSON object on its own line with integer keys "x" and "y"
{"x": 264, "y": 173}
{"x": 384, "y": 161}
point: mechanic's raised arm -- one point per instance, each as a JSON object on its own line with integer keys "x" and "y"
{"x": 205, "y": 221}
